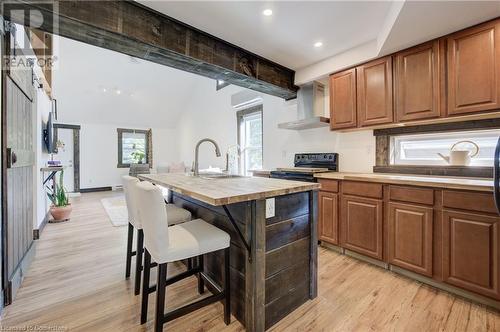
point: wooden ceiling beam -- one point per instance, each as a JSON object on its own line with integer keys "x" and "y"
{"x": 130, "y": 28}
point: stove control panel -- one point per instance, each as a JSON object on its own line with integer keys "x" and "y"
{"x": 318, "y": 160}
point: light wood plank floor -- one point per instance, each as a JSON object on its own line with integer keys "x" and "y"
{"x": 77, "y": 283}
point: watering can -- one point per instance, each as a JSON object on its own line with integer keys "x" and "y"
{"x": 460, "y": 157}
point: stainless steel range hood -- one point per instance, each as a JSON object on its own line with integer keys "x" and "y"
{"x": 310, "y": 108}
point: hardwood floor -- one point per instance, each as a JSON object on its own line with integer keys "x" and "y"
{"x": 77, "y": 283}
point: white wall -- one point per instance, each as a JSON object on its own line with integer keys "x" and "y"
{"x": 99, "y": 153}
{"x": 41, "y": 202}
{"x": 210, "y": 114}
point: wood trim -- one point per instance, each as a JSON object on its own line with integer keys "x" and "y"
{"x": 383, "y": 150}
{"x": 440, "y": 127}
{"x": 120, "y": 132}
{"x": 136, "y": 30}
{"x": 67, "y": 126}
{"x": 239, "y": 118}
{"x": 37, "y": 232}
{"x": 91, "y": 190}
{"x": 19, "y": 272}
{"x": 255, "y": 269}
{"x": 313, "y": 257}
{"x": 76, "y": 151}
{"x": 7, "y": 295}
{"x": 462, "y": 171}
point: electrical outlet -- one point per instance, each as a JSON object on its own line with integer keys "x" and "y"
{"x": 270, "y": 208}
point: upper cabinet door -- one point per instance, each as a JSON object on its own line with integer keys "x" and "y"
{"x": 374, "y": 81}
{"x": 343, "y": 99}
{"x": 474, "y": 69}
{"x": 417, "y": 93}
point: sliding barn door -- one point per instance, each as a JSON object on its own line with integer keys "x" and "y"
{"x": 18, "y": 169}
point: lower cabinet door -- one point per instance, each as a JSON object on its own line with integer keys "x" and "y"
{"x": 361, "y": 225}
{"x": 328, "y": 217}
{"x": 471, "y": 252}
{"x": 410, "y": 237}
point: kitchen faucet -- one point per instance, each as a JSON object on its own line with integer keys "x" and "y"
{"x": 217, "y": 153}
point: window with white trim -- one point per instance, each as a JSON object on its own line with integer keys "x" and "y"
{"x": 250, "y": 139}
{"x": 424, "y": 149}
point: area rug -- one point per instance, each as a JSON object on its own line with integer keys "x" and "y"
{"x": 116, "y": 208}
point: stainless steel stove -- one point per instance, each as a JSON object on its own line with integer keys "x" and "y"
{"x": 306, "y": 165}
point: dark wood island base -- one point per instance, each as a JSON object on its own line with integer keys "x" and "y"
{"x": 276, "y": 270}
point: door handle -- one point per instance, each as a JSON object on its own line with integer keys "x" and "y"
{"x": 11, "y": 157}
{"x": 496, "y": 176}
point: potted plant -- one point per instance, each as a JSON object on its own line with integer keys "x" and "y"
{"x": 60, "y": 208}
{"x": 138, "y": 156}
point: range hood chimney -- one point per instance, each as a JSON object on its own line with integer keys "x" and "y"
{"x": 310, "y": 108}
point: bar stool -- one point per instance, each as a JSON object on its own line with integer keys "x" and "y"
{"x": 170, "y": 244}
{"x": 176, "y": 215}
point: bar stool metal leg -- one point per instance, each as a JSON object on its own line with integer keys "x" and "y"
{"x": 130, "y": 238}
{"x": 201, "y": 284}
{"x": 145, "y": 286}
{"x": 138, "y": 260}
{"x": 227, "y": 287}
{"x": 161, "y": 290}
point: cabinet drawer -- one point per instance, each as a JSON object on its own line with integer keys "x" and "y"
{"x": 329, "y": 185}
{"x": 412, "y": 195}
{"x": 471, "y": 201}
{"x": 364, "y": 189}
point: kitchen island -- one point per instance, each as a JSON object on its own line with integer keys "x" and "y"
{"x": 273, "y": 229}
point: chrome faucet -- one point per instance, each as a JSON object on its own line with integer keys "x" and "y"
{"x": 196, "y": 170}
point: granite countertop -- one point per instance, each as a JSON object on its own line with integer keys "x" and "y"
{"x": 477, "y": 184}
{"x": 223, "y": 191}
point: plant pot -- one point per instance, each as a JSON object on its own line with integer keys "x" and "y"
{"x": 60, "y": 213}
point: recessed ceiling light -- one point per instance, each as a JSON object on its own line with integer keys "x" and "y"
{"x": 104, "y": 90}
{"x": 118, "y": 92}
{"x": 267, "y": 12}
{"x": 318, "y": 44}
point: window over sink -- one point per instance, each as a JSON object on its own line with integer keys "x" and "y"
{"x": 424, "y": 149}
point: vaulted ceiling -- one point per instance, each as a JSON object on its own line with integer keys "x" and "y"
{"x": 96, "y": 85}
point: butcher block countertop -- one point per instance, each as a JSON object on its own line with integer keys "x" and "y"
{"x": 221, "y": 191}
{"x": 461, "y": 183}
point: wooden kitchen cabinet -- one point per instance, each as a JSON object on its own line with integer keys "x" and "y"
{"x": 417, "y": 82}
{"x": 343, "y": 100}
{"x": 362, "y": 225}
{"x": 471, "y": 252}
{"x": 410, "y": 237}
{"x": 474, "y": 69}
{"x": 374, "y": 92}
{"x": 328, "y": 217}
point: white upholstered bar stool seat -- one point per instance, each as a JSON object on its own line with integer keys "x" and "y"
{"x": 166, "y": 244}
{"x": 190, "y": 239}
{"x": 176, "y": 215}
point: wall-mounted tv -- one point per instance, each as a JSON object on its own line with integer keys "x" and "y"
{"x": 48, "y": 135}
